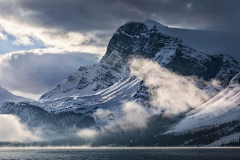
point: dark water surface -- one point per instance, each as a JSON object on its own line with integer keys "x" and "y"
{"x": 122, "y": 153}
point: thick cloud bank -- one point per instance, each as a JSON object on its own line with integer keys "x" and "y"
{"x": 79, "y": 15}
{"x": 88, "y": 25}
{"x": 12, "y": 130}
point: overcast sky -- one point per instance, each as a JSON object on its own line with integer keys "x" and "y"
{"x": 43, "y": 41}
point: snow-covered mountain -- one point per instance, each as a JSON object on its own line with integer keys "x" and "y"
{"x": 145, "y": 40}
{"x": 6, "y": 96}
{"x": 80, "y": 100}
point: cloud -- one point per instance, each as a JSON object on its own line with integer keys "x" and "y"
{"x": 87, "y": 133}
{"x": 129, "y": 116}
{"x": 135, "y": 116}
{"x": 11, "y": 129}
{"x": 171, "y": 92}
{"x": 3, "y": 36}
{"x": 24, "y": 40}
{"x": 35, "y": 72}
{"x": 28, "y": 35}
{"x": 84, "y": 16}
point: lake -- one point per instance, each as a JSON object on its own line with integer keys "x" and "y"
{"x": 140, "y": 153}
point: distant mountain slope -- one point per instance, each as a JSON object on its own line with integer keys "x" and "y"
{"x": 224, "y": 107}
{"x": 6, "y": 96}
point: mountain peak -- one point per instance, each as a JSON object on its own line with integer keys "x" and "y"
{"x": 150, "y": 23}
